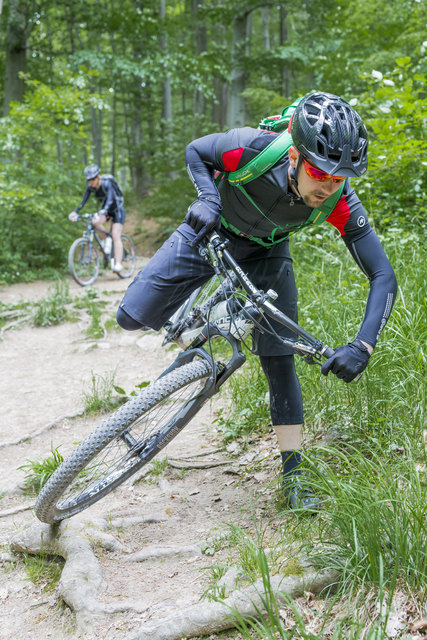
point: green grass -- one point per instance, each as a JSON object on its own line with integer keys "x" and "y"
{"x": 52, "y": 309}
{"x": 215, "y": 591}
{"x": 159, "y": 465}
{"x": 43, "y": 570}
{"x": 374, "y": 521}
{"x": 388, "y": 404}
{"x": 58, "y": 307}
{"x": 100, "y": 396}
{"x": 372, "y": 478}
{"x": 38, "y": 472}
{"x": 90, "y": 301}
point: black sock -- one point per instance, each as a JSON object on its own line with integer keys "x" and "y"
{"x": 290, "y": 463}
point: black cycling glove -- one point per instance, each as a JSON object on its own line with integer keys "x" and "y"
{"x": 348, "y": 361}
{"x": 203, "y": 216}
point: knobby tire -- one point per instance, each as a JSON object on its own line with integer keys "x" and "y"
{"x": 124, "y": 442}
{"x": 129, "y": 257}
{"x": 83, "y": 262}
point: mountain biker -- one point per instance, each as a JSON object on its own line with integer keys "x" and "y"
{"x": 329, "y": 146}
{"x": 107, "y": 191}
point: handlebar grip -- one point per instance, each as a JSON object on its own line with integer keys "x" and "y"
{"x": 328, "y": 353}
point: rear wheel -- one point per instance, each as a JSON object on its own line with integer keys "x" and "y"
{"x": 124, "y": 442}
{"x": 129, "y": 257}
{"x": 83, "y": 262}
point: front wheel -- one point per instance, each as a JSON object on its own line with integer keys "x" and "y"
{"x": 129, "y": 257}
{"x": 124, "y": 442}
{"x": 83, "y": 262}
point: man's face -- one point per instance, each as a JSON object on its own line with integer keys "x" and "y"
{"x": 313, "y": 192}
{"x": 95, "y": 183}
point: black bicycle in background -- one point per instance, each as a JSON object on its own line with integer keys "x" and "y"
{"x": 97, "y": 246}
{"x": 229, "y": 306}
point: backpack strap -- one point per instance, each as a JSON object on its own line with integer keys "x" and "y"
{"x": 256, "y": 167}
{"x": 269, "y": 156}
{"x": 261, "y": 163}
{"x": 317, "y": 216}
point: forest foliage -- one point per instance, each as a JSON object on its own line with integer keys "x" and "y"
{"x": 127, "y": 85}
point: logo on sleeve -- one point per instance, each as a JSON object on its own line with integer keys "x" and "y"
{"x": 361, "y": 221}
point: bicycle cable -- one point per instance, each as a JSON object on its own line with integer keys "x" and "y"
{"x": 267, "y": 327}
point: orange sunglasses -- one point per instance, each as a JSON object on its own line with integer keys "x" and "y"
{"x": 318, "y": 174}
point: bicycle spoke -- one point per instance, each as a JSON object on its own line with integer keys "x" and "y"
{"x": 83, "y": 262}
{"x": 130, "y": 448}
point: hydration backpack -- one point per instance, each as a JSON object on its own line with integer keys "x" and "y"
{"x": 116, "y": 187}
{"x": 262, "y": 162}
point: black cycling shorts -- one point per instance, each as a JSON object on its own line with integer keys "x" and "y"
{"x": 119, "y": 214}
{"x": 177, "y": 269}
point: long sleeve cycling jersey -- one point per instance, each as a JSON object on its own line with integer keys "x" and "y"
{"x": 109, "y": 194}
{"x": 275, "y": 204}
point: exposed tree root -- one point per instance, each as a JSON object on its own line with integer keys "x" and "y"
{"x": 50, "y": 425}
{"x": 11, "y": 512}
{"x": 196, "y": 465}
{"x": 199, "y": 455}
{"x": 206, "y": 618}
{"x": 82, "y": 580}
{"x": 153, "y": 551}
{"x": 14, "y": 323}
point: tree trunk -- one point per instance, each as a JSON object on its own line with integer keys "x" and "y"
{"x": 139, "y": 179}
{"x": 236, "y": 113}
{"x": 167, "y": 93}
{"x": 219, "y": 112}
{"x": 114, "y": 135}
{"x": 96, "y": 124}
{"x": 16, "y": 48}
{"x": 219, "y": 109}
{"x": 200, "y": 39}
{"x": 265, "y": 19}
{"x": 283, "y": 37}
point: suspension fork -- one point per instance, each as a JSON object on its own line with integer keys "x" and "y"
{"x": 220, "y": 371}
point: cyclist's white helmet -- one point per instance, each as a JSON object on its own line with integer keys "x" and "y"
{"x": 92, "y": 171}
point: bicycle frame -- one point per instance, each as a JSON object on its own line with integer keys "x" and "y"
{"x": 91, "y": 233}
{"x": 263, "y": 300}
{"x": 215, "y": 252}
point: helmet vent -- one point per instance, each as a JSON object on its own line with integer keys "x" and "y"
{"x": 330, "y": 134}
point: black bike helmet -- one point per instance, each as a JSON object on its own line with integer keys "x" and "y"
{"x": 329, "y": 133}
{"x": 92, "y": 171}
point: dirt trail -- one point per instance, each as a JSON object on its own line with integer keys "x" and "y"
{"x": 43, "y": 374}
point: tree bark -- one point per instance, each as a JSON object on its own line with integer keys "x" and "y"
{"x": 201, "y": 45}
{"x": 283, "y": 37}
{"x": 96, "y": 123}
{"x": 167, "y": 93}
{"x": 265, "y": 19}
{"x": 219, "y": 112}
{"x": 16, "y": 50}
{"x": 236, "y": 113}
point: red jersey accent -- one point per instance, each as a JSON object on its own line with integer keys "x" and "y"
{"x": 340, "y": 215}
{"x": 231, "y": 159}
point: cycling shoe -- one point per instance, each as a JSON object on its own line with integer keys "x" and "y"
{"x": 299, "y": 495}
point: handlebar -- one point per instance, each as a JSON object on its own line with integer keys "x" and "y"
{"x": 87, "y": 216}
{"x": 218, "y": 245}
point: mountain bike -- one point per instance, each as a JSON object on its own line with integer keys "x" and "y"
{"x": 85, "y": 253}
{"x": 229, "y": 306}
